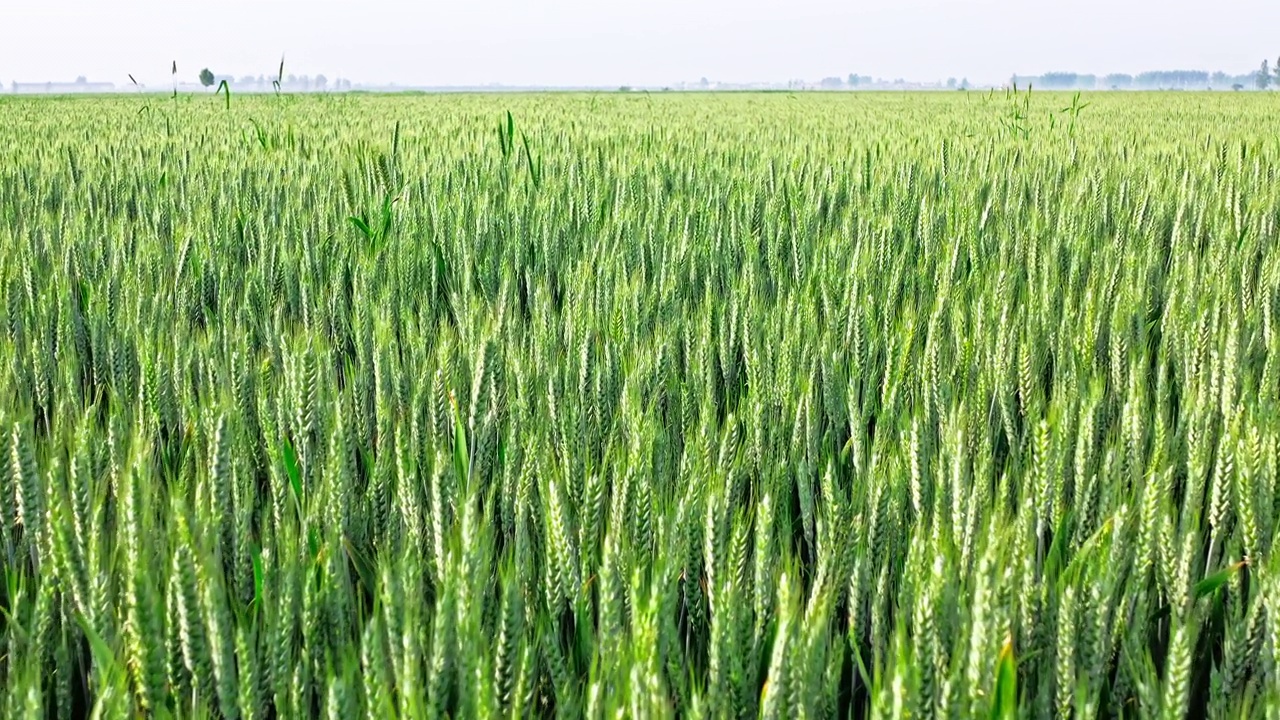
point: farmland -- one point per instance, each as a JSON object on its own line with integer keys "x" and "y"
{"x": 813, "y": 405}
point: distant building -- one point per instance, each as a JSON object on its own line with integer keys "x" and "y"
{"x": 81, "y": 85}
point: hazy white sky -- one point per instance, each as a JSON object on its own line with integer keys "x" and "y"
{"x": 604, "y": 42}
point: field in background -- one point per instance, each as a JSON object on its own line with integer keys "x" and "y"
{"x": 766, "y": 405}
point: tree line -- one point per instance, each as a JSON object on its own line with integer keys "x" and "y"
{"x": 304, "y": 83}
{"x": 1152, "y": 80}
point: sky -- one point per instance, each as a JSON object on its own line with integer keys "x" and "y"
{"x": 619, "y": 42}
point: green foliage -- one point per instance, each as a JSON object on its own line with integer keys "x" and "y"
{"x": 224, "y": 89}
{"x": 733, "y": 406}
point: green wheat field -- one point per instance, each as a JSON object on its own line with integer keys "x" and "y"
{"x": 944, "y": 405}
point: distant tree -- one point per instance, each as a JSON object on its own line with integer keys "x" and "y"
{"x": 82, "y": 80}
{"x": 1118, "y": 81}
{"x": 206, "y": 77}
{"x": 853, "y": 80}
{"x": 951, "y": 83}
{"x": 247, "y": 80}
{"x": 1167, "y": 79}
{"x": 321, "y": 82}
{"x": 1264, "y": 76}
{"x": 964, "y": 84}
{"x": 1276, "y": 69}
{"x": 831, "y": 83}
{"x": 1058, "y": 80}
{"x": 1237, "y": 87}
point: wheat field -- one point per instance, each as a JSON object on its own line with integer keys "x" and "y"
{"x": 646, "y": 405}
